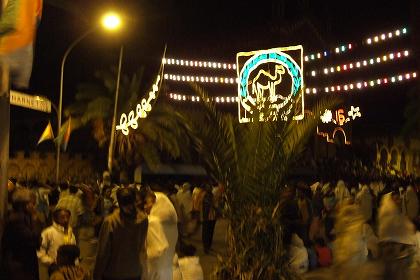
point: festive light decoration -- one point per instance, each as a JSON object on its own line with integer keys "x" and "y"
{"x": 261, "y": 83}
{"x": 362, "y": 63}
{"x": 193, "y": 98}
{"x": 142, "y": 109}
{"x": 201, "y": 79}
{"x": 198, "y": 64}
{"x": 338, "y": 120}
{"x": 386, "y": 36}
{"x": 363, "y": 84}
{"x": 319, "y": 55}
{"x": 340, "y": 117}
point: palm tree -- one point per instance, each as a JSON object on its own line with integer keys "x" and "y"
{"x": 252, "y": 162}
{"x": 94, "y": 107}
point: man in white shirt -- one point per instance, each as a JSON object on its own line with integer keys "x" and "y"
{"x": 60, "y": 233}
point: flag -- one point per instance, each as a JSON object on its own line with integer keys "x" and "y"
{"x": 47, "y": 134}
{"x": 64, "y": 135}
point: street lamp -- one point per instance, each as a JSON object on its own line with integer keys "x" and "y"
{"x": 110, "y": 21}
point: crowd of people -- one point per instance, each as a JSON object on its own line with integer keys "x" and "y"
{"x": 337, "y": 226}
{"x": 134, "y": 231}
{"x": 107, "y": 231}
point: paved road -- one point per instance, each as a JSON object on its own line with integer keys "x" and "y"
{"x": 208, "y": 262}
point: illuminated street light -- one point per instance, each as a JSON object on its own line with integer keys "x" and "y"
{"x": 111, "y": 21}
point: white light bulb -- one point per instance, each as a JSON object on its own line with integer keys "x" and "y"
{"x": 200, "y": 64}
{"x": 183, "y": 78}
{"x": 178, "y": 78}
{"x": 338, "y": 87}
{"x": 182, "y": 62}
{"x": 219, "y": 65}
{"x": 383, "y": 36}
{"x": 205, "y": 64}
{"x": 337, "y": 50}
{"x": 313, "y": 73}
{"x": 371, "y": 61}
{"x": 177, "y": 62}
{"x": 345, "y": 87}
{"x": 364, "y": 62}
{"x": 214, "y": 64}
{"x": 308, "y": 90}
{"x": 397, "y": 32}
{"x": 393, "y": 79}
{"x": 217, "y": 99}
{"x": 390, "y": 35}
{"x": 224, "y": 65}
{"x": 234, "y": 66}
{"x": 404, "y": 30}
{"x": 165, "y": 76}
{"x": 358, "y": 64}
{"x": 359, "y": 85}
{"x": 164, "y": 60}
{"x": 384, "y": 58}
{"x": 351, "y": 86}
{"x": 378, "y": 59}
{"x": 407, "y": 76}
{"x": 193, "y": 99}
{"x": 391, "y": 56}
{"x": 332, "y": 88}
{"x": 351, "y": 66}
{"x": 202, "y": 79}
{"x": 326, "y": 89}
{"x": 184, "y": 98}
{"x": 414, "y": 74}
{"x": 314, "y": 90}
{"x": 376, "y": 39}
{"x": 332, "y": 69}
{"x": 229, "y": 66}
{"x": 318, "y": 55}
{"x": 405, "y": 53}
{"x": 325, "y": 71}
{"x": 369, "y": 41}
{"x": 400, "y": 78}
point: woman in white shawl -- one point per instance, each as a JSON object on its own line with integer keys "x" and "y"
{"x": 162, "y": 236}
{"x": 364, "y": 200}
{"x": 411, "y": 203}
{"x": 341, "y": 192}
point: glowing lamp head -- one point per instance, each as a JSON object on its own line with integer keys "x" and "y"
{"x": 111, "y": 21}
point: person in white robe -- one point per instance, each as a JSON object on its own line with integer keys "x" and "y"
{"x": 162, "y": 236}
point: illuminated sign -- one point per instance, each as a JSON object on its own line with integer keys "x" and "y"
{"x": 270, "y": 82}
{"x": 335, "y": 121}
{"x": 142, "y": 109}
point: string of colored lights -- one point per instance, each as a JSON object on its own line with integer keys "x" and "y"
{"x": 199, "y": 64}
{"x": 386, "y": 36}
{"x": 329, "y": 89}
{"x": 307, "y": 58}
{"x": 363, "y": 84}
{"x": 200, "y": 79}
{"x": 193, "y": 98}
{"x": 362, "y": 63}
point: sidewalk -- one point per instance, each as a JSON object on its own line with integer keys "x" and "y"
{"x": 208, "y": 262}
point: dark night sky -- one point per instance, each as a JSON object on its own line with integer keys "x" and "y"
{"x": 191, "y": 28}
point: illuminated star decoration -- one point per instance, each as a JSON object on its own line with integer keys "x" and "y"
{"x": 354, "y": 112}
{"x": 327, "y": 116}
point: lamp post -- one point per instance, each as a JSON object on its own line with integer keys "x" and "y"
{"x": 110, "y": 21}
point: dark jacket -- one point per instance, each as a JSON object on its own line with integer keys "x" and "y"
{"x": 120, "y": 247}
{"x": 21, "y": 240}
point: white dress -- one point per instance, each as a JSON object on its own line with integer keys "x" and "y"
{"x": 162, "y": 236}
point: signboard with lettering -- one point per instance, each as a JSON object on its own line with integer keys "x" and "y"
{"x": 30, "y": 101}
{"x": 270, "y": 82}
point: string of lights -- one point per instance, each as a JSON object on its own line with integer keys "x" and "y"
{"x": 386, "y": 36}
{"x": 362, "y": 63}
{"x": 342, "y": 48}
{"x": 193, "y": 98}
{"x": 363, "y": 84}
{"x": 201, "y": 79}
{"x": 199, "y": 64}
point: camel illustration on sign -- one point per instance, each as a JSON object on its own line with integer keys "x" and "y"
{"x": 263, "y": 88}
{"x": 265, "y": 81}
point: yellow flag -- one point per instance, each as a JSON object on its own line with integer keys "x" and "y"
{"x": 47, "y": 134}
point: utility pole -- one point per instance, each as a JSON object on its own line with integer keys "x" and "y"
{"x": 4, "y": 138}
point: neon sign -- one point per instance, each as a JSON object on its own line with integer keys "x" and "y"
{"x": 142, "y": 109}
{"x": 335, "y": 121}
{"x": 270, "y": 79}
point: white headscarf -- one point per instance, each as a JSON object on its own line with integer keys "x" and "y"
{"x": 341, "y": 192}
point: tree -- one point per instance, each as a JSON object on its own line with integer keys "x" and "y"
{"x": 94, "y": 107}
{"x": 252, "y": 162}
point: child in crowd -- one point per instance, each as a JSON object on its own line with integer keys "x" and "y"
{"x": 67, "y": 269}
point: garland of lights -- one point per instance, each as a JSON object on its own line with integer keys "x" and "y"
{"x": 386, "y": 36}
{"x": 199, "y": 64}
{"x": 142, "y": 108}
{"x": 363, "y": 84}
{"x": 200, "y": 79}
{"x": 347, "y": 87}
{"x": 363, "y": 63}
